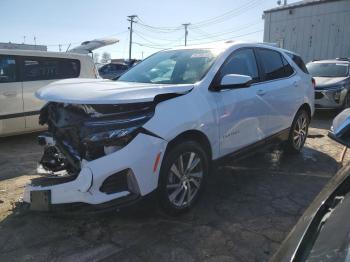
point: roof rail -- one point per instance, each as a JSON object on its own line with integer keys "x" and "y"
{"x": 270, "y": 44}
{"x": 343, "y": 58}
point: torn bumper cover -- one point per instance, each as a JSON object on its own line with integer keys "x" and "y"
{"x": 95, "y": 154}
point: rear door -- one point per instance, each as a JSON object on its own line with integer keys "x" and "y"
{"x": 278, "y": 90}
{"x": 38, "y": 72}
{"x": 11, "y": 102}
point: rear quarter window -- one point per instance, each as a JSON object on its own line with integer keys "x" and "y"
{"x": 299, "y": 62}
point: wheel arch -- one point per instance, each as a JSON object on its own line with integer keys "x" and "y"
{"x": 305, "y": 107}
{"x": 193, "y": 135}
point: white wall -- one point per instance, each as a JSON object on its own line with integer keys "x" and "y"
{"x": 318, "y": 31}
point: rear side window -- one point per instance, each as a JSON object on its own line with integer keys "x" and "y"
{"x": 42, "y": 68}
{"x": 274, "y": 65}
{"x": 288, "y": 69}
{"x": 8, "y": 69}
{"x": 299, "y": 62}
{"x": 242, "y": 62}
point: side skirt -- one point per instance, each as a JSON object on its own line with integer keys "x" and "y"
{"x": 249, "y": 150}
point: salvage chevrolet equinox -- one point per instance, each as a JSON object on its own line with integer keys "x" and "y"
{"x": 165, "y": 121}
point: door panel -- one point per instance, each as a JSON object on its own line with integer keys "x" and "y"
{"x": 281, "y": 94}
{"x": 240, "y": 110}
{"x": 11, "y": 101}
{"x": 240, "y": 113}
{"x": 33, "y": 104}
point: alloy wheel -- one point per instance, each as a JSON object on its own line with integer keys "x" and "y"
{"x": 184, "y": 179}
{"x": 300, "y": 131}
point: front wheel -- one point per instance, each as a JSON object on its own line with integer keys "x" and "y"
{"x": 182, "y": 177}
{"x": 298, "y": 132}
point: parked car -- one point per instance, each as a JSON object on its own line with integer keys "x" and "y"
{"x": 322, "y": 233}
{"x": 165, "y": 121}
{"x": 332, "y": 83}
{"x": 113, "y": 70}
{"x": 23, "y": 72}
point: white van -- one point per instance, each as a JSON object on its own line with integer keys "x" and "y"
{"x": 22, "y": 73}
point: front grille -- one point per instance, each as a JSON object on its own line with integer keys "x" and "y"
{"x": 117, "y": 182}
{"x": 318, "y": 95}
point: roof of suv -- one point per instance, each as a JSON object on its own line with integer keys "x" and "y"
{"x": 227, "y": 44}
{"x": 333, "y": 61}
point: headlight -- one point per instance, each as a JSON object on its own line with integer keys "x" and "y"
{"x": 117, "y": 137}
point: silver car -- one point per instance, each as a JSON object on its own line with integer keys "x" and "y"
{"x": 332, "y": 83}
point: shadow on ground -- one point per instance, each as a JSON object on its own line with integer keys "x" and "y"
{"x": 243, "y": 215}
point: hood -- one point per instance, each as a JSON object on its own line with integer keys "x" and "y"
{"x": 322, "y": 82}
{"x": 102, "y": 91}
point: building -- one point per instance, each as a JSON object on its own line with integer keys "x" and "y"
{"x": 316, "y": 29}
{"x": 10, "y": 45}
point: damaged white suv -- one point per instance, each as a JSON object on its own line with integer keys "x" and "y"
{"x": 163, "y": 123}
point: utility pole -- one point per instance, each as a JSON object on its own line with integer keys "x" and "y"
{"x": 131, "y": 20}
{"x": 186, "y": 32}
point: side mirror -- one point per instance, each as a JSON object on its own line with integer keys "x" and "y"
{"x": 340, "y": 130}
{"x": 235, "y": 81}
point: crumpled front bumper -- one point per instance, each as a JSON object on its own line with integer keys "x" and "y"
{"x": 139, "y": 157}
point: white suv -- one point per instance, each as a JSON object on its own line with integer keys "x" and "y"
{"x": 163, "y": 123}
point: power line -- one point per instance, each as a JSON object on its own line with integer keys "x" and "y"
{"x": 228, "y": 15}
{"x": 154, "y": 43}
{"x": 215, "y": 35}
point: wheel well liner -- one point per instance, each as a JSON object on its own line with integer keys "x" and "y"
{"x": 193, "y": 135}
{"x": 307, "y": 107}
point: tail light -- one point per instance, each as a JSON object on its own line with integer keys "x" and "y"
{"x": 313, "y": 81}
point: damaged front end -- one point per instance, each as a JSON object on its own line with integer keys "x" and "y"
{"x": 76, "y": 148}
{"x": 88, "y": 132}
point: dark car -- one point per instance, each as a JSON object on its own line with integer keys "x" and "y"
{"x": 323, "y": 232}
{"x": 332, "y": 83}
{"x": 113, "y": 70}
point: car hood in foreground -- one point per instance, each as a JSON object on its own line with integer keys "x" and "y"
{"x": 305, "y": 242}
{"x": 324, "y": 82}
{"x": 101, "y": 91}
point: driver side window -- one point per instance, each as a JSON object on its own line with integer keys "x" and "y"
{"x": 242, "y": 62}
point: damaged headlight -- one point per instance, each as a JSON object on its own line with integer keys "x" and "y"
{"x": 112, "y": 137}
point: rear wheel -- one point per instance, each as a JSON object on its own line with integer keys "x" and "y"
{"x": 182, "y": 177}
{"x": 298, "y": 132}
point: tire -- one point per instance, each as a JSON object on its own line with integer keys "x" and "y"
{"x": 180, "y": 185}
{"x": 298, "y": 132}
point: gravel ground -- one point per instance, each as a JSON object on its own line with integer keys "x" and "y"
{"x": 246, "y": 211}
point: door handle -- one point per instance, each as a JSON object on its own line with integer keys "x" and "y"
{"x": 261, "y": 92}
{"x": 295, "y": 83}
{"x": 10, "y": 93}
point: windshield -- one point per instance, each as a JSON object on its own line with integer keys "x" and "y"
{"x": 172, "y": 67}
{"x": 328, "y": 69}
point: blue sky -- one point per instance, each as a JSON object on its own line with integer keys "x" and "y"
{"x": 62, "y": 22}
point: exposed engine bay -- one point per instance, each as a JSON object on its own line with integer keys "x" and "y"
{"x": 87, "y": 132}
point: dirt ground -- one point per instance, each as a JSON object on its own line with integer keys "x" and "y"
{"x": 244, "y": 214}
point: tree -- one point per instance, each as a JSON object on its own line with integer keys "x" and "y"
{"x": 96, "y": 58}
{"x": 106, "y": 57}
